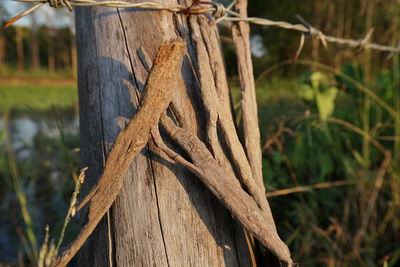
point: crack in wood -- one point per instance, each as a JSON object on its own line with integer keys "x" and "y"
{"x": 158, "y": 207}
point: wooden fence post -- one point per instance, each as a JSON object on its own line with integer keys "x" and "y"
{"x": 163, "y": 215}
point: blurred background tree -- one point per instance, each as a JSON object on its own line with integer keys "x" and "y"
{"x": 3, "y": 17}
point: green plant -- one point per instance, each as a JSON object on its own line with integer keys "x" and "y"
{"x": 353, "y": 225}
{"x": 319, "y": 90}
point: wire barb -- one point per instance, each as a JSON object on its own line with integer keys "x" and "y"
{"x": 61, "y": 3}
{"x": 219, "y": 10}
{"x": 220, "y": 13}
{"x": 313, "y": 32}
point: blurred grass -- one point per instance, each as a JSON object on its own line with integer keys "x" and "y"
{"x": 7, "y": 72}
{"x": 37, "y": 97}
{"x": 27, "y": 236}
{"x": 41, "y": 183}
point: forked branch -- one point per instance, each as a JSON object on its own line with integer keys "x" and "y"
{"x": 217, "y": 179}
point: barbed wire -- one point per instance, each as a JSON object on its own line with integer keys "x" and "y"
{"x": 220, "y": 13}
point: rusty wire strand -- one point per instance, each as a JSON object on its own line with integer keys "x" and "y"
{"x": 220, "y": 13}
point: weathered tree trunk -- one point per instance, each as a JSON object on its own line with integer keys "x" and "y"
{"x": 51, "y": 60}
{"x": 2, "y": 42}
{"x": 35, "y": 58}
{"x": 316, "y": 43}
{"x": 2, "y": 49}
{"x": 19, "y": 43}
{"x": 163, "y": 215}
{"x": 74, "y": 63}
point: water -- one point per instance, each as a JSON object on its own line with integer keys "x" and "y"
{"x": 43, "y": 162}
{"x": 23, "y": 128}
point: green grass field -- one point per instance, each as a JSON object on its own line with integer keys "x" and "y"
{"x": 37, "y": 97}
{"x": 7, "y": 72}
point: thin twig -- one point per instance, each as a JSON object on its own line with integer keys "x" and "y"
{"x": 372, "y": 201}
{"x": 274, "y": 139}
{"x": 218, "y": 11}
{"x": 354, "y": 129}
{"x": 388, "y": 138}
{"x": 300, "y": 189}
{"x": 44, "y": 249}
{"x": 71, "y": 210}
{"x": 358, "y": 131}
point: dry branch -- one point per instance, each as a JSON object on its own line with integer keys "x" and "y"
{"x": 130, "y": 141}
{"x": 241, "y": 40}
{"x": 385, "y": 165}
{"x": 217, "y": 179}
{"x": 300, "y": 189}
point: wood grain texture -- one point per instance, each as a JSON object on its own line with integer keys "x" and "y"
{"x": 241, "y": 40}
{"x": 130, "y": 141}
{"x": 163, "y": 214}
